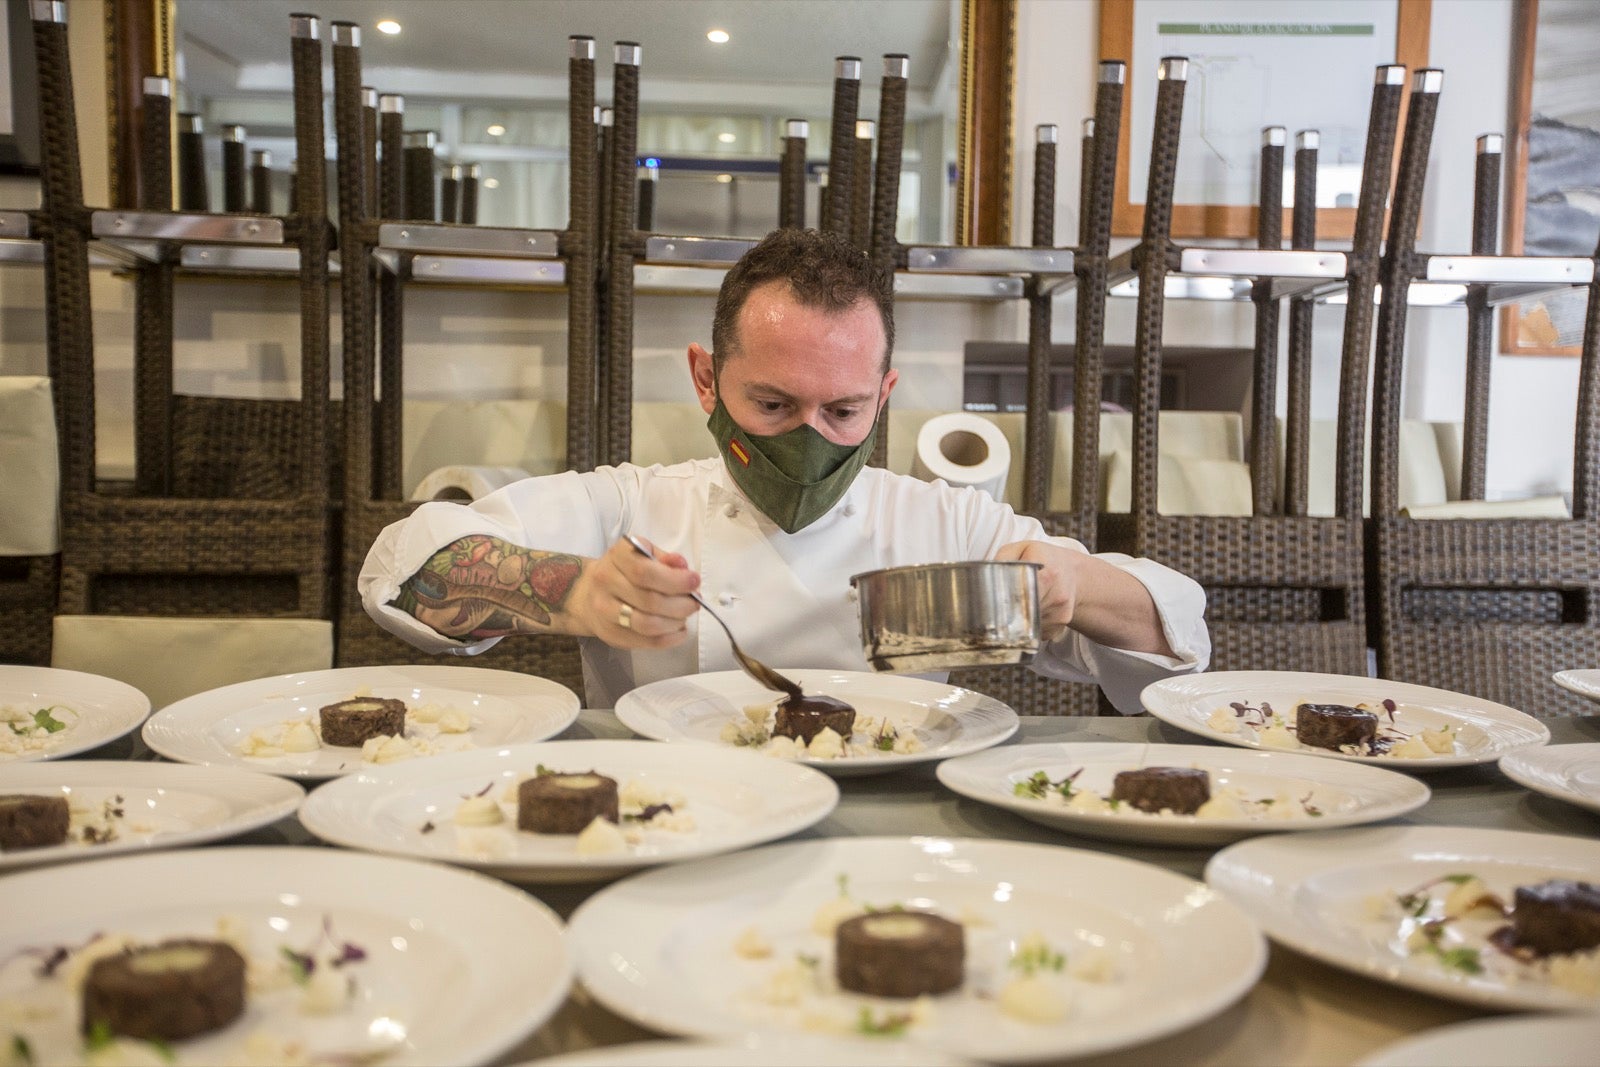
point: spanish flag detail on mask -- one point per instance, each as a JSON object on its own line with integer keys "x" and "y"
{"x": 739, "y": 453}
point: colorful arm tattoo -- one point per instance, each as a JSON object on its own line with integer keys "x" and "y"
{"x": 490, "y": 588}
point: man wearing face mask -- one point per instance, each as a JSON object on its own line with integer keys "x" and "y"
{"x": 770, "y": 529}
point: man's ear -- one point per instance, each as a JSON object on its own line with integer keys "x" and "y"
{"x": 889, "y": 381}
{"x": 704, "y": 377}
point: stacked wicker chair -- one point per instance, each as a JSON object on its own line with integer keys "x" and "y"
{"x": 30, "y": 558}
{"x": 1489, "y": 606}
{"x": 371, "y": 483}
{"x": 1285, "y": 591}
{"x": 201, "y": 542}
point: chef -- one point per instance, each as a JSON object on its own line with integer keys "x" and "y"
{"x": 771, "y": 528}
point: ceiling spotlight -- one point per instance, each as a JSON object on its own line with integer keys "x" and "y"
{"x": 726, "y": 138}
{"x": 496, "y": 130}
{"x": 725, "y": 179}
{"x": 389, "y": 26}
{"x": 491, "y": 183}
{"x": 717, "y": 36}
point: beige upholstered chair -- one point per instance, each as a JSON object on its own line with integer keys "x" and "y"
{"x": 30, "y": 529}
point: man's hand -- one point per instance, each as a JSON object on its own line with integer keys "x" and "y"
{"x": 630, "y": 601}
{"x": 1103, "y": 602}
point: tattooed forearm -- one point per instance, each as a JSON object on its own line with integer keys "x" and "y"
{"x": 481, "y": 586}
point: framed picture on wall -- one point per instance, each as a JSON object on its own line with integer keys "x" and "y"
{"x": 1552, "y": 202}
{"x": 19, "y": 104}
{"x": 1300, "y": 64}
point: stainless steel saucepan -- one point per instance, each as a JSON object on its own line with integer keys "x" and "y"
{"x": 939, "y": 616}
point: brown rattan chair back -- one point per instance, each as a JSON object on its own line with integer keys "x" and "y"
{"x": 1491, "y": 607}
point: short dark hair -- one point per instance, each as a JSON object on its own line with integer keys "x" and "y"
{"x": 823, "y": 270}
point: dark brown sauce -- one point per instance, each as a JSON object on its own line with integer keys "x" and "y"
{"x": 817, "y": 705}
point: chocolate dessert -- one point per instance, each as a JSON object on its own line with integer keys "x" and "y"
{"x": 1155, "y": 789}
{"x": 354, "y": 722}
{"x": 803, "y": 718}
{"x": 1332, "y": 726}
{"x": 565, "y": 803}
{"x": 899, "y": 954}
{"x": 1558, "y": 916}
{"x": 165, "y": 992}
{"x": 28, "y": 821}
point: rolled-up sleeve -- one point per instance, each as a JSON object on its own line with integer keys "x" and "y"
{"x": 1123, "y": 674}
{"x": 561, "y": 513}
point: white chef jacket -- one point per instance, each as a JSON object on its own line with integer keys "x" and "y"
{"x": 787, "y": 596}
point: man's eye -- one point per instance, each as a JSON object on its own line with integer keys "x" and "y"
{"x": 770, "y": 406}
{"x": 846, "y": 414}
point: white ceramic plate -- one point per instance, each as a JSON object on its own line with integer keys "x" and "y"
{"x": 786, "y": 1050}
{"x": 660, "y": 948}
{"x": 946, "y": 720}
{"x": 1566, "y": 772}
{"x": 1487, "y": 730}
{"x": 1317, "y": 894}
{"x": 736, "y": 799}
{"x": 1344, "y": 794}
{"x": 445, "y": 949}
{"x": 92, "y": 709}
{"x": 1517, "y": 1041}
{"x": 161, "y": 805}
{"x": 504, "y": 708}
{"x": 1584, "y": 683}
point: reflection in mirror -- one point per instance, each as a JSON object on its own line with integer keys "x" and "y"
{"x": 490, "y": 77}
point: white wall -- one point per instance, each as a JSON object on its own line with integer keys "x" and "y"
{"x": 1530, "y": 445}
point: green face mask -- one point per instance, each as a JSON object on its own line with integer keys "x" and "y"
{"x": 793, "y": 477}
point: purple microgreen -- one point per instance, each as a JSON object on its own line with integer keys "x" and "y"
{"x": 428, "y": 827}
{"x": 349, "y": 952}
{"x": 649, "y": 812}
{"x": 1390, "y": 707}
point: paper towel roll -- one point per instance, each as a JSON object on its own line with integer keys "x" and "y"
{"x": 963, "y": 449}
{"x": 466, "y": 483}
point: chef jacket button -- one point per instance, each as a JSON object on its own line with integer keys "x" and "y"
{"x": 849, "y": 509}
{"x": 726, "y": 600}
{"x": 732, "y": 511}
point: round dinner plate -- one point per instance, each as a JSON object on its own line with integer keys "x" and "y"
{"x": 1334, "y": 896}
{"x": 91, "y": 710}
{"x": 503, "y": 708}
{"x": 122, "y": 806}
{"x": 1485, "y": 730}
{"x": 1584, "y": 683}
{"x": 1566, "y": 772}
{"x": 734, "y": 799}
{"x": 1515, "y": 1041}
{"x": 724, "y": 945}
{"x": 785, "y": 1050}
{"x": 1280, "y": 790}
{"x": 945, "y": 719}
{"x": 441, "y": 951}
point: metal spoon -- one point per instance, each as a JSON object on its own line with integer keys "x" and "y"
{"x": 762, "y": 673}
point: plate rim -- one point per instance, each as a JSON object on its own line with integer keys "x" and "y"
{"x": 1252, "y": 966}
{"x": 1398, "y": 971}
{"x": 1513, "y": 766}
{"x": 299, "y": 857}
{"x": 285, "y": 806}
{"x": 1421, "y": 766}
{"x": 154, "y": 736}
{"x": 627, "y": 714}
{"x": 1447, "y": 1038}
{"x": 1246, "y": 826}
{"x": 122, "y": 729}
{"x": 1568, "y": 680}
{"x": 596, "y": 866}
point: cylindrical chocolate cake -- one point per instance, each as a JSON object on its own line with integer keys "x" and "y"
{"x": 28, "y": 821}
{"x": 354, "y": 722}
{"x": 803, "y": 718}
{"x": 899, "y": 954}
{"x": 565, "y": 803}
{"x": 1155, "y": 789}
{"x": 1557, "y": 916}
{"x": 166, "y": 992}
{"x": 1332, "y": 726}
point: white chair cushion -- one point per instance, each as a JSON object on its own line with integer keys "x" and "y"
{"x": 668, "y": 433}
{"x": 30, "y": 471}
{"x": 1537, "y": 507}
{"x": 1186, "y": 485}
{"x": 171, "y": 658}
{"x": 1422, "y": 474}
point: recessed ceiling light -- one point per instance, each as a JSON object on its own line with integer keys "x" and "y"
{"x": 491, "y": 183}
{"x": 496, "y": 130}
{"x": 717, "y": 36}
{"x": 725, "y": 179}
{"x": 389, "y": 26}
{"x": 726, "y": 138}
